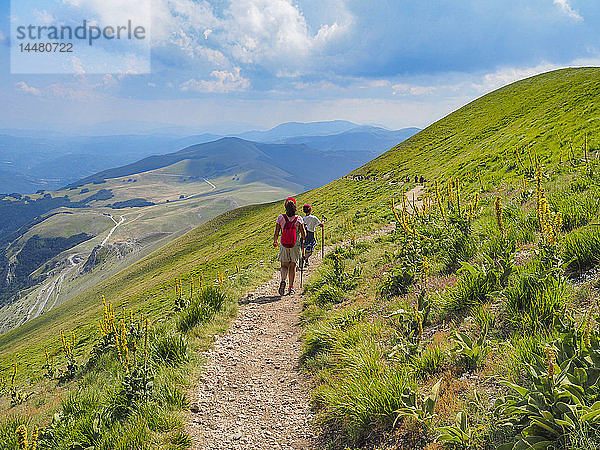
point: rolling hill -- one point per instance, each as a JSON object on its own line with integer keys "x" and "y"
{"x": 541, "y": 112}
{"x": 274, "y": 164}
{"x": 32, "y": 160}
{"x": 480, "y": 144}
{"x": 159, "y": 196}
{"x": 534, "y": 111}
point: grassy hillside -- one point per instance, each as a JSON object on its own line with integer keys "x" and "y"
{"x": 542, "y": 112}
{"x": 181, "y": 204}
{"x": 379, "y": 338}
{"x": 241, "y": 237}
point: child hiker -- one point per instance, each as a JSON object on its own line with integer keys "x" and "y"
{"x": 290, "y": 226}
{"x": 311, "y": 222}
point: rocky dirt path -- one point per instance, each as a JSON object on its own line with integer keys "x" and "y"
{"x": 252, "y": 394}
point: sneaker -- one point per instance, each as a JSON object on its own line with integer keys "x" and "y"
{"x": 291, "y": 291}
{"x": 282, "y": 287}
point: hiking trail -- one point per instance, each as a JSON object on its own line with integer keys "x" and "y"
{"x": 252, "y": 393}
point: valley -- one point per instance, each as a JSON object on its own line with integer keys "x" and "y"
{"x": 471, "y": 302}
{"x": 127, "y": 212}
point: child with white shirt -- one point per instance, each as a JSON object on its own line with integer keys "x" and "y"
{"x": 310, "y": 224}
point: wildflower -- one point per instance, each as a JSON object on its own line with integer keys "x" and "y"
{"x": 498, "y": 209}
{"x": 439, "y": 200}
{"x": 22, "y": 437}
{"x": 34, "y": 438}
{"x": 550, "y": 359}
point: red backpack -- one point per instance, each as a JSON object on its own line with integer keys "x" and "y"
{"x": 288, "y": 235}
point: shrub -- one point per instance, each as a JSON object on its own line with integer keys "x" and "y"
{"x": 521, "y": 352}
{"x": 532, "y": 303}
{"x": 170, "y": 348}
{"x": 202, "y": 309}
{"x": 329, "y": 294}
{"x": 470, "y": 349}
{"x": 366, "y": 396}
{"x": 172, "y": 396}
{"x": 475, "y": 286}
{"x": 457, "y": 245}
{"x": 335, "y": 275}
{"x": 8, "y": 428}
{"x": 561, "y": 401}
{"x": 582, "y": 248}
{"x": 576, "y": 210}
{"x": 428, "y": 362}
{"x": 322, "y": 336}
{"x": 483, "y": 317}
{"x": 397, "y": 282}
{"x": 348, "y": 252}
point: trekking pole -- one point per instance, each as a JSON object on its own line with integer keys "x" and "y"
{"x": 301, "y": 264}
{"x": 322, "y": 238}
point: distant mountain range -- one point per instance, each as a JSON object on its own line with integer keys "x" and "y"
{"x": 273, "y": 164}
{"x": 30, "y": 161}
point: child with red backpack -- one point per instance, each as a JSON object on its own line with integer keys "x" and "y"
{"x": 290, "y": 226}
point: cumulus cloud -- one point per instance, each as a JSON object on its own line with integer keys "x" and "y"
{"x": 80, "y": 89}
{"x": 77, "y": 66}
{"x": 412, "y": 90}
{"x": 111, "y": 12}
{"x": 223, "y": 81}
{"x": 267, "y": 31}
{"x": 271, "y": 34}
{"x": 24, "y": 87}
{"x": 506, "y": 75}
{"x": 43, "y": 17}
{"x": 2, "y": 36}
{"x": 568, "y": 10}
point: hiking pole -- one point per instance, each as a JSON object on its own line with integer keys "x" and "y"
{"x": 322, "y": 238}
{"x": 301, "y": 264}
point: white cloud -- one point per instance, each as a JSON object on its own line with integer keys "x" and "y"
{"x": 113, "y": 12}
{"x": 24, "y": 87}
{"x": 43, "y": 17}
{"x": 2, "y": 36}
{"x": 568, "y": 10}
{"x": 412, "y": 89}
{"x": 268, "y": 31}
{"x": 223, "y": 81}
{"x": 377, "y": 83}
{"x": 80, "y": 89}
{"x": 273, "y": 34}
{"x": 502, "y": 77}
{"x": 77, "y": 66}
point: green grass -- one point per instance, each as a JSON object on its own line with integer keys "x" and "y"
{"x": 536, "y": 111}
{"x": 362, "y": 358}
{"x": 582, "y": 248}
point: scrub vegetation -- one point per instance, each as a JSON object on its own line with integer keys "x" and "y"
{"x": 473, "y": 324}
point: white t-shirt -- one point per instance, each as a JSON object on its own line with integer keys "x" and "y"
{"x": 311, "y": 222}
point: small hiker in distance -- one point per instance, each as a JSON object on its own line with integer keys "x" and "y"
{"x": 290, "y": 226}
{"x": 311, "y": 222}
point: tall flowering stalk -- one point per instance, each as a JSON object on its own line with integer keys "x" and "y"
{"x": 498, "y": 210}
{"x": 519, "y": 160}
{"x": 438, "y": 197}
{"x": 22, "y": 442}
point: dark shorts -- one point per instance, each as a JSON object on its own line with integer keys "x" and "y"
{"x": 310, "y": 243}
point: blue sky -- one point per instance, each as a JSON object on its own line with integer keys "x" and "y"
{"x": 228, "y": 65}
